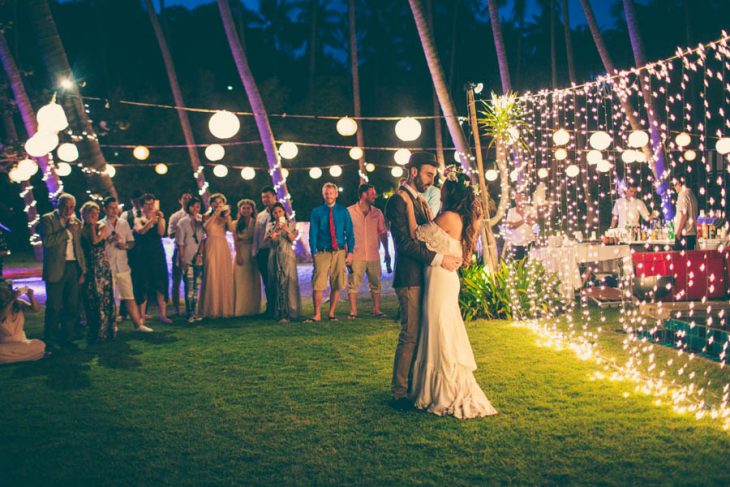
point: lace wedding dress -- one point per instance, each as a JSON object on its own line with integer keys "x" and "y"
{"x": 443, "y": 371}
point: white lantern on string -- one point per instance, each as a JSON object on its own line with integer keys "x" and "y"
{"x": 63, "y": 169}
{"x": 690, "y": 155}
{"x": 514, "y": 134}
{"x": 723, "y": 145}
{"x": 402, "y": 156}
{"x": 561, "y": 154}
{"x": 628, "y": 156}
{"x": 285, "y": 172}
{"x": 594, "y": 156}
{"x": 16, "y": 175}
{"x": 52, "y": 118}
{"x": 110, "y": 170}
{"x": 683, "y": 139}
{"x": 640, "y": 156}
{"x": 561, "y": 137}
{"x": 600, "y": 140}
{"x": 335, "y": 171}
{"x": 542, "y": 173}
{"x": 215, "y": 152}
{"x": 248, "y": 173}
{"x": 408, "y": 129}
{"x": 67, "y": 152}
{"x": 29, "y": 167}
{"x": 457, "y": 156}
{"x": 491, "y": 175}
{"x": 356, "y": 153}
{"x": 514, "y": 175}
{"x": 141, "y": 153}
{"x": 346, "y": 126}
{"x": 161, "y": 168}
{"x": 220, "y": 170}
{"x": 224, "y": 124}
{"x": 315, "y": 173}
{"x": 41, "y": 144}
{"x": 288, "y": 150}
{"x": 572, "y": 171}
{"x": 370, "y": 167}
{"x": 604, "y": 166}
{"x": 638, "y": 138}
{"x": 396, "y": 172}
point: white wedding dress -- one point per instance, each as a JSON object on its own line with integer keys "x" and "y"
{"x": 443, "y": 371}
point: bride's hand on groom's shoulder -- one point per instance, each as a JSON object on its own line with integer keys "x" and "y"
{"x": 451, "y": 262}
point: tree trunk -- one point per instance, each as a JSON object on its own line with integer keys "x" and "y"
{"x": 258, "y": 108}
{"x": 312, "y": 45}
{"x": 438, "y": 135}
{"x": 454, "y": 45}
{"x": 437, "y": 75}
{"x": 27, "y": 114}
{"x": 569, "y": 55}
{"x": 179, "y": 101}
{"x": 553, "y": 47}
{"x": 499, "y": 46}
{"x": 56, "y": 61}
{"x": 355, "y": 70}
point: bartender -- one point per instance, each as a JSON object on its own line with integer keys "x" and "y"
{"x": 628, "y": 210}
{"x": 685, "y": 219}
{"x": 520, "y": 220}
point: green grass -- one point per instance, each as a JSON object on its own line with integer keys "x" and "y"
{"x": 244, "y": 402}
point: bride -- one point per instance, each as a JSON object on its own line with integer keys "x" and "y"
{"x": 443, "y": 370}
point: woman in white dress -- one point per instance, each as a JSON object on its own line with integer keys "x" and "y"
{"x": 443, "y": 371}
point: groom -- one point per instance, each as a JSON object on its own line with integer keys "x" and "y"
{"x": 411, "y": 256}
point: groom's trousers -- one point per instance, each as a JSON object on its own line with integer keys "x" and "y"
{"x": 410, "y": 321}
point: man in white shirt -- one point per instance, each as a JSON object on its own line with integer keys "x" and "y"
{"x": 520, "y": 220}
{"x": 628, "y": 210}
{"x": 121, "y": 239}
{"x": 685, "y": 219}
{"x": 261, "y": 247}
{"x": 183, "y": 197}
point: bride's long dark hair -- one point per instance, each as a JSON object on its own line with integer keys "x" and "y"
{"x": 458, "y": 197}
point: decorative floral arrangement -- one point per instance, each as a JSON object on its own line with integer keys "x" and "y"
{"x": 503, "y": 119}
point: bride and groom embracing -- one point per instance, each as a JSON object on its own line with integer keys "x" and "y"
{"x": 434, "y": 363}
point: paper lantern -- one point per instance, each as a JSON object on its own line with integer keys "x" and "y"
{"x": 370, "y": 167}
{"x": 28, "y": 167}
{"x": 491, "y": 175}
{"x": 690, "y": 155}
{"x": 604, "y": 166}
{"x": 161, "y": 168}
{"x": 63, "y": 169}
{"x": 346, "y": 126}
{"x": 248, "y": 173}
{"x": 285, "y": 172}
{"x": 600, "y": 140}
{"x": 110, "y": 170}
{"x": 561, "y": 137}
{"x": 542, "y": 173}
{"x": 640, "y": 156}
{"x": 219, "y": 170}
{"x": 683, "y": 139}
{"x": 224, "y": 124}
{"x": 628, "y": 156}
{"x": 41, "y": 144}
{"x": 315, "y": 173}
{"x": 514, "y": 175}
{"x": 335, "y": 171}
{"x": 356, "y": 153}
{"x": 638, "y": 138}
{"x": 408, "y": 129}
{"x": 402, "y": 156}
{"x": 16, "y": 175}
{"x": 67, "y": 152}
{"x": 215, "y": 152}
{"x": 397, "y": 171}
{"x": 52, "y": 118}
{"x": 514, "y": 134}
{"x": 723, "y": 145}
{"x": 572, "y": 171}
{"x": 141, "y": 153}
{"x": 457, "y": 156}
{"x": 561, "y": 154}
{"x": 594, "y": 156}
{"x": 288, "y": 150}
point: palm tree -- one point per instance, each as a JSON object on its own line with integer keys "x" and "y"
{"x": 569, "y": 54}
{"x": 355, "y": 70}
{"x": 438, "y": 135}
{"x": 260, "y": 114}
{"x": 56, "y": 61}
{"x": 553, "y": 47}
{"x": 179, "y": 101}
{"x": 499, "y": 46}
{"x": 519, "y": 10}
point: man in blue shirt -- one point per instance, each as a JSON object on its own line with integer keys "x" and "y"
{"x": 331, "y": 241}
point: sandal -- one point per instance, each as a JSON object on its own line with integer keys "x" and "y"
{"x": 312, "y": 320}
{"x": 332, "y": 318}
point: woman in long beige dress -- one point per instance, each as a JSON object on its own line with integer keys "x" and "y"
{"x": 216, "y": 293}
{"x": 14, "y": 345}
{"x": 246, "y": 276}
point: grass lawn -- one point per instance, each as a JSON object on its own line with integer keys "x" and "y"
{"x": 240, "y": 402}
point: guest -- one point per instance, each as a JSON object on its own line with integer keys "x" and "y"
{"x": 332, "y": 243}
{"x": 216, "y": 294}
{"x": 189, "y": 242}
{"x": 183, "y": 197}
{"x": 64, "y": 267}
{"x": 685, "y": 219}
{"x": 368, "y": 225}
{"x": 134, "y": 211}
{"x": 14, "y": 345}
{"x": 628, "y": 210}
{"x": 98, "y": 294}
{"x": 121, "y": 240}
{"x": 149, "y": 272}
{"x": 281, "y": 234}
{"x": 260, "y": 246}
{"x": 520, "y": 220}
{"x": 246, "y": 276}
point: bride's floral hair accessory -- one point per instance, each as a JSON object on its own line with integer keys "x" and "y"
{"x": 455, "y": 173}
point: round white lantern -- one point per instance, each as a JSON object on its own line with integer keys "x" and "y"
{"x": 161, "y": 168}
{"x": 561, "y": 154}
{"x": 396, "y": 172}
{"x": 52, "y": 118}
{"x": 638, "y": 138}
{"x": 285, "y": 172}
{"x": 16, "y": 175}
{"x": 346, "y": 126}
{"x": 542, "y": 173}
{"x": 248, "y": 173}
{"x": 288, "y": 150}
{"x": 219, "y": 170}
{"x": 402, "y": 156}
{"x": 594, "y": 156}
{"x": 723, "y": 145}
{"x": 67, "y": 152}
{"x": 315, "y": 173}
{"x": 28, "y": 167}
{"x": 640, "y": 156}
{"x": 63, "y": 169}
{"x": 457, "y": 156}
{"x": 561, "y": 137}
{"x": 491, "y": 175}
{"x": 514, "y": 134}
{"x": 110, "y": 170}
{"x": 600, "y": 140}
{"x": 628, "y": 156}
{"x": 41, "y": 144}
{"x": 356, "y": 153}
{"x": 683, "y": 139}
{"x": 141, "y": 153}
{"x": 335, "y": 171}
{"x": 514, "y": 175}
{"x": 224, "y": 124}
{"x": 690, "y": 155}
{"x": 370, "y": 167}
{"x": 572, "y": 171}
{"x": 215, "y": 152}
{"x": 408, "y": 129}
{"x": 604, "y": 166}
